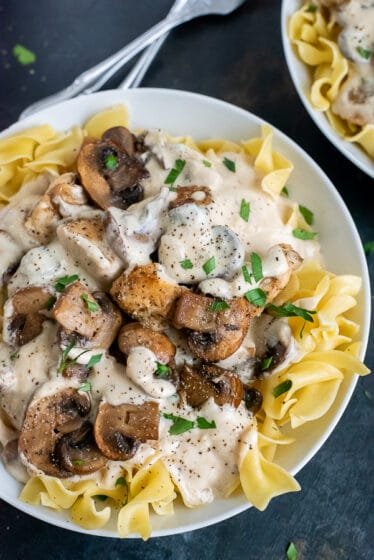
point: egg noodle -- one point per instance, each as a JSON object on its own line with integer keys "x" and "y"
{"x": 314, "y": 36}
{"x": 328, "y": 352}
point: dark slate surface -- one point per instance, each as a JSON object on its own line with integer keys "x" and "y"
{"x": 238, "y": 59}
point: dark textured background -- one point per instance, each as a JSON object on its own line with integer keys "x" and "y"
{"x": 238, "y": 59}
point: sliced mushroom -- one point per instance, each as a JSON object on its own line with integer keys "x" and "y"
{"x": 53, "y": 206}
{"x": 134, "y": 334}
{"x": 117, "y": 184}
{"x": 46, "y": 421}
{"x": 120, "y": 429}
{"x": 213, "y": 335}
{"x": 202, "y": 196}
{"x": 84, "y": 239}
{"x": 12, "y": 461}
{"x": 253, "y": 399}
{"x": 92, "y": 316}
{"x": 135, "y": 233}
{"x": 24, "y": 314}
{"x": 202, "y": 382}
{"x": 274, "y": 343}
{"x": 78, "y": 453}
{"x": 146, "y": 294}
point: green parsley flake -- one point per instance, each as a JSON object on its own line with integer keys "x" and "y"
{"x": 92, "y": 306}
{"x": 311, "y": 8}
{"x": 23, "y": 55}
{"x": 266, "y": 363}
{"x": 245, "y": 210}
{"x": 14, "y": 356}
{"x": 64, "y": 281}
{"x": 246, "y": 274}
{"x": 180, "y": 425}
{"x": 369, "y": 247}
{"x": 175, "y": 172}
{"x": 85, "y": 387}
{"x": 284, "y": 192}
{"x": 209, "y": 265}
{"x": 203, "y": 423}
{"x": 50, "y": 303}
{"x": 364, "y": 53}
{"x": 256, "y": 297}
{"x": 300, "y": 233}
{"x": 282, "y": 388}
{"x": 207, "y": 163}
{"x": 78, "y": 462}
{"x": 94, "y": 360}
{"x": 256, "y": 264}
{"x": 161, "y": 370}
{"x": 368, "y": 395}
{"x": 64, "y": 356}
{"x": 307, "y": 214}
{"x": 173, "y": 189}
{"x": 121, "y": 481}
{"x": 291, "y": 552}
{"x": 219, "y": 306}
{"x": 186, "y": 264}
{"x": 111, "y": 161}
{"x": 288, "y": 309}
{"x": 229, "y": 164}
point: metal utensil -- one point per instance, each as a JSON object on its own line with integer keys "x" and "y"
{"x": 91, "y": 80}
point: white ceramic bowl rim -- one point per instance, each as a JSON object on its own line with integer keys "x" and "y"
{"x": 181, "y": 113}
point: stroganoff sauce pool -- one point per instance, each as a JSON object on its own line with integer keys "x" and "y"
{"x": 238, "y": 219}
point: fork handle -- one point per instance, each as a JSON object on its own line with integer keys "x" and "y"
{"x": 91, "y": 77}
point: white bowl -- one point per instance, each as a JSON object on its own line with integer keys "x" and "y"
{"x": 301, "y": 77}
{"x": 182, "y": 113}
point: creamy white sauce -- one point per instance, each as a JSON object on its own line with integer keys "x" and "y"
{"x": 202, "y": 462}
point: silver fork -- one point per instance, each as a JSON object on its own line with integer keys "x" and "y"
{"x": 92, "y": 79}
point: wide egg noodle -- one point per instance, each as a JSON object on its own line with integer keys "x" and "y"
{"x": 117, "y": 115}
{"x": 315, "y": 41}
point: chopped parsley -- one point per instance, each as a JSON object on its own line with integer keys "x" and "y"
{"x": 369, "y": 247}
{"x": 244, "y": 210}
{"x": 246, "y": 274}
{"x": 92, "y": 306}
{"x": 207, "y": 163}
{"x": 64, "y": 356}
{"x": 64, "y": 281}
{"x": 368, "y": 395}
{"x": 111, "y": 161}
{"x": 266, "y": 363}
{"x": 181, "y": 425}
{"x": 219, "y": 306}
{"x": 94, "y": 360}
{"x": 209, "y": 265}
{"x": 364, "y": 52}
{"x": 256, "y": 264}
{"x": 300, "y": 233}
{"x": 121, "y": 481}
{"x": 186, "y": 264}
{"x": 307, "y": 214}
{"x": 78, "y": 462}
{"x": 229, "y": 164}
{"x": 175, "y": 171}
{"x": 14, "y": 356}
{"x": 85, "y": 387}
{"x": 282, "y": 388}
{"x": 256, "y": 297}
{"x": 288, "y": 309}
{"x": 50, "y": 303}
{"x": 173, "y": 189}
{"x": 161, "y": 370}
{"x": 284, "y": 192}
{"x": 311, "y": 8}
{"x": 291, "y": 552}
{"x": 23, "y": 55}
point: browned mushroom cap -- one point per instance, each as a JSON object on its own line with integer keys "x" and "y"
{"x": 23, "y": 319}
{"x": 77, "y": 452}
{"x": 116, "y": 183}
{"x": 213, "y": 335}
{"x": 134, "y": 334}
{"x": 46, "y": 421}
{"x": 202, "y": 382}
{"x": 253, "y": 399}
{"x": 202, "y": 196}
{"x": 145, "y": 295}
{"x": 91, "y": 315}
{"x": 120, "y": 429}
{"x": 45, "y": 215}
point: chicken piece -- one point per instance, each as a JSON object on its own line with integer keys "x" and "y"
{"x": 147, "y": 294}
{"x": 84, "y": 239}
